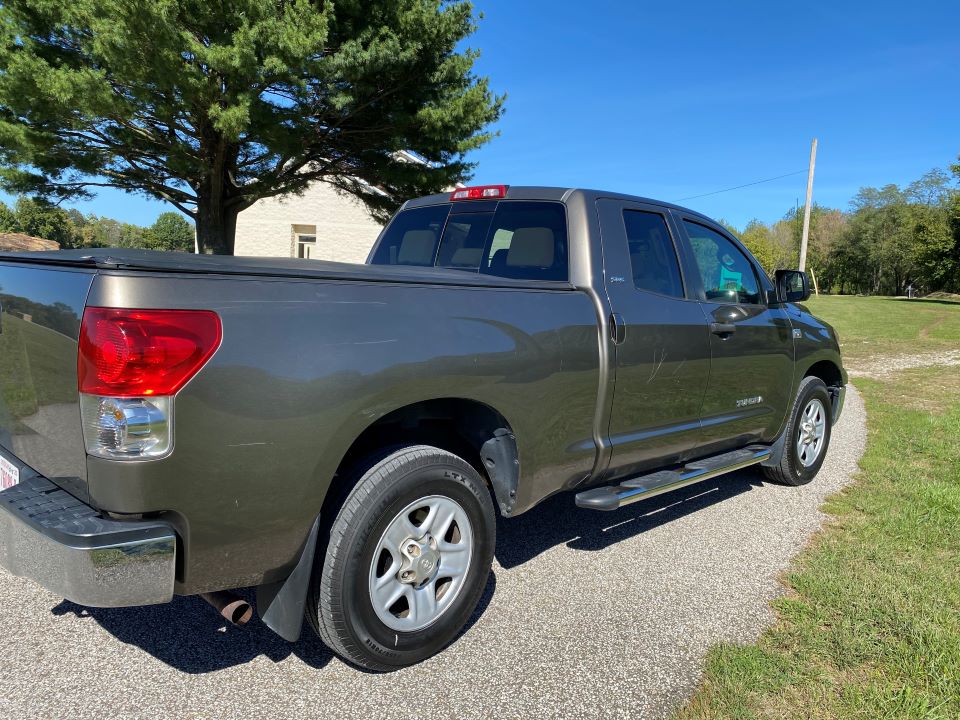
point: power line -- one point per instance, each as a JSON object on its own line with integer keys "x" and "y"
{"x": 716, "y": 192}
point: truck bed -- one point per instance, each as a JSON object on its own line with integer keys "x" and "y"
{"x": 169, "y": 262}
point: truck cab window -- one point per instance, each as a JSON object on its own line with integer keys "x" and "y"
{"x": 524, "y": 240}
{"x": 463, "y": 240}
{"x": 412, "y": 237}
{"x": 527, "y": 240}
{"x": 727, "y": 274}
{"x": 653, "y": 257}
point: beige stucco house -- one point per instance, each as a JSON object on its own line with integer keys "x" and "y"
{"x": 322, "y": 224}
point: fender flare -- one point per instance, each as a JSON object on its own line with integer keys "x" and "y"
{"x": 499, "y": 455}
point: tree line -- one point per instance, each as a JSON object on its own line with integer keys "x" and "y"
{"x": 72, "y": 229}
{"x": 889, "y": 239}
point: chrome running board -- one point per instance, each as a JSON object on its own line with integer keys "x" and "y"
{"x": 612, "y": 497}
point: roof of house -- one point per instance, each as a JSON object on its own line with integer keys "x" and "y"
{"x": 20, "y": 242}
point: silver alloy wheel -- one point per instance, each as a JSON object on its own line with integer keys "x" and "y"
{"x": 421, "y": 563}
{"x": 811, "y": 431}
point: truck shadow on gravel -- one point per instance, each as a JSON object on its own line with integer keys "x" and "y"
{"x": 559, "y": 521}
{"x": 188, "y": 635}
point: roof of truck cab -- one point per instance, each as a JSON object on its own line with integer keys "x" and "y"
{"x": 557, "y": 194}
{"x": 187, "y": 263}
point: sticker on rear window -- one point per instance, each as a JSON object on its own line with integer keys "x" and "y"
{"x": 9, "y": 474}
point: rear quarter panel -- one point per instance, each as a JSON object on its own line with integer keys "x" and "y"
{"x": 306, "y": 366}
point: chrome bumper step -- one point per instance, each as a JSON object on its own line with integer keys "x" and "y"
{"x": 612, "y": 497}
{"x": 72, "y": 550}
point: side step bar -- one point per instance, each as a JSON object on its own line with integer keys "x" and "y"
{"x": 612, "y": 497}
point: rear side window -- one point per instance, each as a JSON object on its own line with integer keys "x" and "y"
{"x": 653, "y": 257}
{"x": 525, "y": 240}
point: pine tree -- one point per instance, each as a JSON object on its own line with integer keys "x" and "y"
{"x": 213, "y": 105}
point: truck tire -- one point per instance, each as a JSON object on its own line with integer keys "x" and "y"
{"x": 408, "y": 558}
{"x": 807, "y": 435}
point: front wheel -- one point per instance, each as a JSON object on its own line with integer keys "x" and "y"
{"x": 807, "y": 435}
{"x": 407, "y": 561}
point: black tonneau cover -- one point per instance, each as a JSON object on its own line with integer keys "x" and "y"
{"x": 177, "y": 262}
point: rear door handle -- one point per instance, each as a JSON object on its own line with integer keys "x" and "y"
{"x": 722, "y": 328}
{"x": 618, "y": 329}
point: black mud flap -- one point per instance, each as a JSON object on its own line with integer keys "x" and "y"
{"x": 281, "y": 604}
{"x": 776, "y": 451}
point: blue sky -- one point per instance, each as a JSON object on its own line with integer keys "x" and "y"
{"x": 671, "y": 100}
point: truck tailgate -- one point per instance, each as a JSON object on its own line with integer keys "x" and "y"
{"x": 40, "y": 312}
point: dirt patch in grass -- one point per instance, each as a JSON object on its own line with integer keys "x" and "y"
{"x": 928, "y": 389}
{"x": 952, "y": 297}
{"x": 883, "y": 366}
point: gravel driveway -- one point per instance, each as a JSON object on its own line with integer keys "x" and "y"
{"x": 586, "y": 615}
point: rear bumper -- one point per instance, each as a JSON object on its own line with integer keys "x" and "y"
{"x": 55, "y": 540}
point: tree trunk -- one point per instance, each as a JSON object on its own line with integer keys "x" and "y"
{"x": 216, "y": 219}
{"x": 216, "y": 227}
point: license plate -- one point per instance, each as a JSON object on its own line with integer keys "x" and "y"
{"x": 9, "y": 474}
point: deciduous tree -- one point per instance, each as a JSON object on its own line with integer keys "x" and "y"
{"x": 756, "y": 236}
{"x": 39, "y": 218}
{"x": 169, "y": 232}
{"x": 8, "y": 221}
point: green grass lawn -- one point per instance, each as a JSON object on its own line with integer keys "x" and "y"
{"x": 870, "y": 625}
{"x": 870, "y": 326}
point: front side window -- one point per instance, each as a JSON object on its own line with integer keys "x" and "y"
{"x": 652, "y": 255}
{"x": 727, "y": 274}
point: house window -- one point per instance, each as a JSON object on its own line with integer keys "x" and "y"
{"x": 306, "y": 246}
{"x": 304, "y": 241}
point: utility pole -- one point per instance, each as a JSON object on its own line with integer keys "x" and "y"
{"x": 806, "y": 210}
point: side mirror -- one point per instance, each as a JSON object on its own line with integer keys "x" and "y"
{"x": 792, "y": 286}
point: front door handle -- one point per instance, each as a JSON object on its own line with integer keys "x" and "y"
{"x": 722, "y": 329}
{"x": 618, "y": 329}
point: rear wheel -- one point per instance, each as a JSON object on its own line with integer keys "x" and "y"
{"x": 807, "y": 435}
{"x": 408, "y": 558}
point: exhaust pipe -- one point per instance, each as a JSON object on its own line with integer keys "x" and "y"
{"x": 231, "y": 606}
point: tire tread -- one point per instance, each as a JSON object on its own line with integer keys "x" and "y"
{"x": 782, "y": 473}
{"x": 324, "y": 609}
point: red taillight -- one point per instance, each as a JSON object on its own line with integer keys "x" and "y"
{"x": 140, "y": 353}
{"x": 481, "y": 192}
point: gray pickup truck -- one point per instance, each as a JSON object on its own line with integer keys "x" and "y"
{"x": 340, "y": 437}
